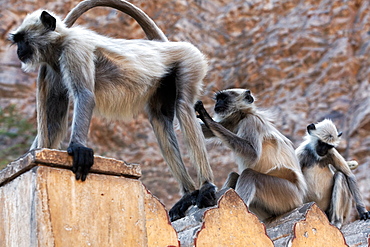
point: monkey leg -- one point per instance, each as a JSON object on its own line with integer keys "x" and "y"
{"x": 267, "y": 195}
{"x": 161, "y": 113}
{"x": 52, "y": 109}
{"x": 196, "y": 145}
{"x": 340, "y": 203}
{"x": 231, "y": 181}
{"x": 195, "y": 141}
{"x": 168, "y": 144}
{"x": 171, "y": 153}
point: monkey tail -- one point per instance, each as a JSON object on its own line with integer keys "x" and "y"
{"x": 151, "y": 30}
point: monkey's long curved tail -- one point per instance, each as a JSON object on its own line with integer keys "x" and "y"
{"x": 151, "y": 30}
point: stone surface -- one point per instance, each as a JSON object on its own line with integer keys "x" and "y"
{"x": 46, "y": 206}
{"x": 231, "y": 224}
{"x": 316, "y": 231}
{"x": 62, "y": 159}
{"x": 304, "y": 60}
{"x": 303, "y": 226}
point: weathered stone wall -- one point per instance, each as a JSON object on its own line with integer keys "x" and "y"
{"x": 42, "y": 204}
{"x": 306, "y": 60}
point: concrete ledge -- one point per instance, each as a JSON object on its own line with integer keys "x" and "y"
{"x": 42, "y": 204}
{"x": 57, "y": 158}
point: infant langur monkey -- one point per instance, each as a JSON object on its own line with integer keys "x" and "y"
{"x": 329, "y": 178}
{"x": 271, "y": 182}
{"x": 117, "y": 79}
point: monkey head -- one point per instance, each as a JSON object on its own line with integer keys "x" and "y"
{"x": 324, "y": 136}
{"x": 35, "y": 37}
{"x": 230, "y": 101}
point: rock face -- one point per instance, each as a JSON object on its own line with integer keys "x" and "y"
{"x": 305, "y": 60}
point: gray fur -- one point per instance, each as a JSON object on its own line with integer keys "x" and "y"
{"x": 271, "y": 182}
{"x": 329, "y": 178}
{"x": 117, "y": 79}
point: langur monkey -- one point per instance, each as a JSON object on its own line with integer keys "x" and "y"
{"x": 271, "y": 182}
{"x": 117, "y": 79}
{"x": 329, "y": 178}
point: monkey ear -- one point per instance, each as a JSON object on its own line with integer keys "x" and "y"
{"x": 310, "y": 128}
{"x": 48, "y": 21}
{"x": 340, "y": 134}
{"x": 248, "y": 97}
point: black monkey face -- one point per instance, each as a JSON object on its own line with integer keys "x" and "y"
{"x": 231, "y": 100}
{"x": 222, "y": 102}
{"x": 33, "y": 36}
{"x": 25, "y": 50}
{"x": 323, "y": 148}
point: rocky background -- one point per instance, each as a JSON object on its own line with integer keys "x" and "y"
{"x": 306, "y": 60}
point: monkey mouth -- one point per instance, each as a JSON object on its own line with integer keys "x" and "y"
{"x": 220, "y": 109}
{"x": 24, "y": 58}
{"x": 322, "y": 154}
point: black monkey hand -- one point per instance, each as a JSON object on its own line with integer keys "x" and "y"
{"x": 199, "y": 108}
{"x": 178, "y": 210}
{"x": 202, "y": 112}
{"x": 83, "y": 159}
{"x": 365, "y": 215}
{"x": 207, "y": 195}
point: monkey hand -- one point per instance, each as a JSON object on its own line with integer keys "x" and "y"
{"x": 207, "y": 195}
{"x": 202, "y": 112}
{"x": 178, "y": 210}
{"x": 83, "y": 159}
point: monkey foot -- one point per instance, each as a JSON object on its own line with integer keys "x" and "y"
{"x": 178, "y": 210}
{"x": 207, "y": 195}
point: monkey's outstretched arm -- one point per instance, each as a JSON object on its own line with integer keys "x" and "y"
{"x": 206, "y": 131}
{"x": 242, "y": 146}
{"x": 52, "y": 108}
{"x": 341, "y": 165}
{"x": 82, "y": 87}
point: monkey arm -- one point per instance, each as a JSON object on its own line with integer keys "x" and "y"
{"x": 202, "y": 113}
{"x": 206, "y": 131}
{"x": 81, "y": 84}
{"x": 52, "y": 108}
{"x": 341, "y": 165}
{"x": 83, "y": 157}
{"x": 242, "y": 146}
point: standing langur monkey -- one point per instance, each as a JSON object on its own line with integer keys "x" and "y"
{"x": 117, "y": 79}
{"x": 271, "y": 182}
{"x": 329, "y": 178}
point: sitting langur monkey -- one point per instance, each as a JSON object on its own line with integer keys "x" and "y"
{"x": 116, "y": 78}
{"x": 271, "y": 182}
{"x": 329, "y": 178}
